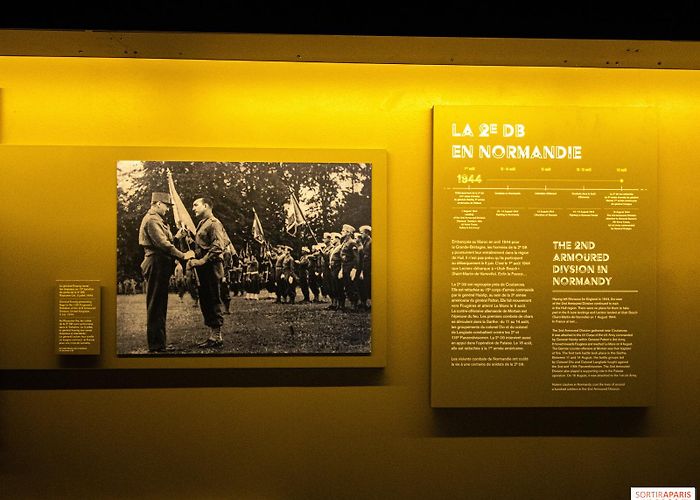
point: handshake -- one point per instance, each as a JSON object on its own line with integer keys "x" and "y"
{"x": 191, "y": 260}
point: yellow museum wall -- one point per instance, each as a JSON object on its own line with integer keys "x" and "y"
{"x": 324, "y": 433}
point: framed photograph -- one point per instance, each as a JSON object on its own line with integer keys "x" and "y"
{"x": 244, "y": 258}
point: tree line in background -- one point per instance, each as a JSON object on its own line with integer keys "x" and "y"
{"x": 331, "y": 194}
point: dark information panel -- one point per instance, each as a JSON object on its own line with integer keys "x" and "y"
{"x": 544, "y": 256}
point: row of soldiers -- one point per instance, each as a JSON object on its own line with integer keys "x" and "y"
{"x": 338, "y": 269}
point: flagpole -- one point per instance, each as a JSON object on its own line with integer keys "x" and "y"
{"x": 182, "y": 218}
{"x": 302, "y": 214}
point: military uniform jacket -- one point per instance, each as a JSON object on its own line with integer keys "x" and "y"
{"x": 334, "y": 258}
{"x": 325, "y": 258}
{"x": 155, "y": 236}
{"x": 304, "y": 263}
{"x": 314, "y": 263}
{"x": 367, "y": 255}
{"x": 349, "y": 254}
{"x": 211, "y": 240}
{"x": 288, "y": 265}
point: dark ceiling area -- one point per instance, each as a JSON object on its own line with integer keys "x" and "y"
{"x": 609, "y": 20}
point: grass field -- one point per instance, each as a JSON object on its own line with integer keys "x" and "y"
{"x": 253, "y": 328}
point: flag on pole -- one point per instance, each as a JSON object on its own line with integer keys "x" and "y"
{"x": 295, "y": 217}
{"x": 258, "y": 233}
{"x": 180, "y": 213}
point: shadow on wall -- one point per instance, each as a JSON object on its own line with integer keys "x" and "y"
{"x": 79, "y": 375}
{"x": 535, "y": 422}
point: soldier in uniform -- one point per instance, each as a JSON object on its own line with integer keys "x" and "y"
{"x": 324, "y": 262}
{"x": 246, "y": 278}
{"x": 210, "y": 241}
{"x": 335, "y": 265}
{"x": 366, "y": 267}
{"x": 303, "y": 273}
{"x": 253, "y": 273}
{"x": 180, "y": 284}
{"x": 191, "y": 285}
{"x": 157, "y": 267}
{"x": 225, "y": 283}
{"x": 315, "y": 272}
{"x": 280, "y": 283}
{"x": 236, "y": 275}
{"x": 267, "y": 273}
{"x": 350, "y": 257}
{"x": 288, "y": 275}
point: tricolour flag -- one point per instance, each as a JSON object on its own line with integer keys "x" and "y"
{"x": 180, "y": 213}
{"x": 258, "y": 233}
{"x": 295, "y": 217}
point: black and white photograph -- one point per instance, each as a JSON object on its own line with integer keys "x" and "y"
{"x": 243, "y": 258}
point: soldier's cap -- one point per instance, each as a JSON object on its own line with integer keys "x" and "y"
{"x": 304, "y": 249}
{"x": 161, "y": 197}
{"x": 326, "y": 235}
{"x": 366, "y": 229}
{"x": 348, "y": 228}
{"x": 335, "y": 235}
